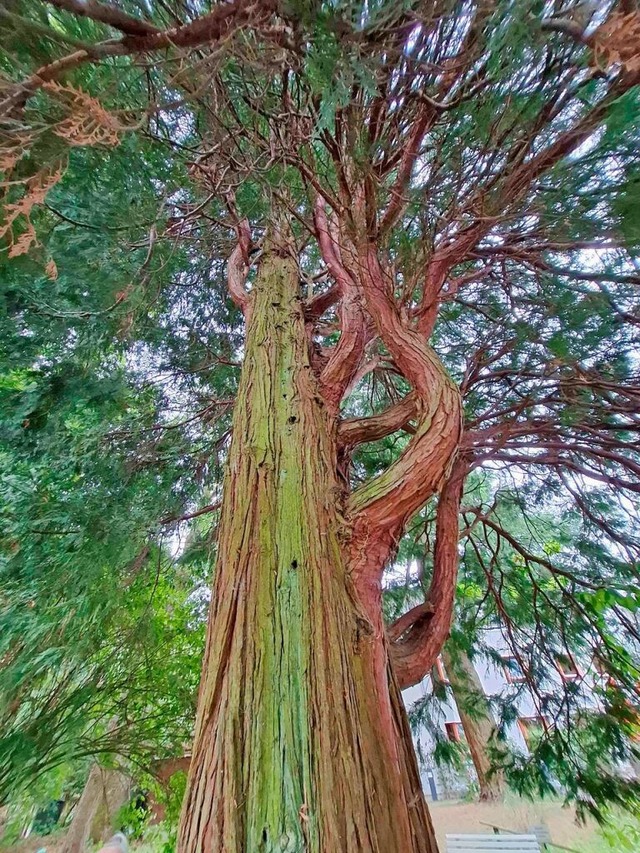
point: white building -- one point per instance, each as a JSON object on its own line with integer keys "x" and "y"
{"x": 502, "y": 678}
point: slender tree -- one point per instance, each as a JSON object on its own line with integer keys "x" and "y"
{"x": 412, "y": 189}
{"x": 478, "y": 722}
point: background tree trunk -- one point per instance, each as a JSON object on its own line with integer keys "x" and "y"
{"x": 477, "y": 720}
{"x": 288, "y": 752}
{"x": 104, "y": 794}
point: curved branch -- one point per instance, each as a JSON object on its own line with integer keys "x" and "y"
{"x": 238, "y": 267}
{"x": 346, "y": 356}
{"x": 315, "y": 307}
{"x": 408, "y": 619}
{"x": 358, "y": 430}
{"x": 384, "y": 503}
{"x": 105, "y": 13}
{"x": 418, "y": 636}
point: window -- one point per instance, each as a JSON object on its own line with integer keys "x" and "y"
{"x": 567, "y": 668}
{"x": 532, "y": 728}
{"x": 441, "y": 671}
{"x": 513, "y": 670}
{"x": 454, "y": 731}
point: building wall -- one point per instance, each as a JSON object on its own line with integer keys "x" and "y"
{"x": 496, "y": 681}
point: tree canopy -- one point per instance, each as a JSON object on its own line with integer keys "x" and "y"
{"x": 460, "y": 181}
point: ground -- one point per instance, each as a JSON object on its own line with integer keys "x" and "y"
{"x": 514, "y": 814}
{"x": 459, "y": 816}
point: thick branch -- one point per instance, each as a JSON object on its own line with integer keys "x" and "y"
{"x": 419, "y": 635}
{"x": 346, "y": 356}
{"x": 315, "y": 307}
{"x": 408, "y": 619}
{"x": 106, "y": 14}
{"x": 210, "y": 28}
{"x": 238, "y": 267}
{"x": 384, "y": 503}
{"x": 357, "y": 430}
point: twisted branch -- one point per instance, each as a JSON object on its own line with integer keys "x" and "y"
{"x": 418, "y": 636}
{"x": 238, "y": 268}
{"x": 346, "y": 356}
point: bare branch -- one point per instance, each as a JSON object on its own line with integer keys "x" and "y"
{"x": 238, "y": 267}
{"x": 420, "y": 634}
{"x": 408, "y": 620}
{"x": 357, "y": 430}
{"x": 315, "y": 307}
{"x": 174, "y": 519}
{"x": 105, "y": 13}
{"x": 347, "y": 354}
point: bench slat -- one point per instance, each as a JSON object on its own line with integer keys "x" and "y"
{"x": 492, "y": 843}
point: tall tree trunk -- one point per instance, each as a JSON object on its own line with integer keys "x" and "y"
{"x": 289, "y": 751}
{"x": 477, "y": 720}
{"x": 105, "y": 792}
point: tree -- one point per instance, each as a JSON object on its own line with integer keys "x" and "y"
{"x": 533, "y": 577}
{"x": 412, "y": 191}
{"x": 480, "y": 727}
{"x": 104, "y": 794}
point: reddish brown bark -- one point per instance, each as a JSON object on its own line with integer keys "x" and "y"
{"x": 421, "y": 633}
{"x": 345, "y": 358}
{"x": 291, "y": 749}
{"x": 357, "y": 430}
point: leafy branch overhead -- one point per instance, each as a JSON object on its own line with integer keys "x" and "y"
{"x": 442, "y": 201}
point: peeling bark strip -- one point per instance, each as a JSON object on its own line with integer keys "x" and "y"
{"x": 289, "y": 752}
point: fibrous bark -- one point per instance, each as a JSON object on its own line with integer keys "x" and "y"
{"x": 419, "y": 634}
{"x": 292, "y": 751}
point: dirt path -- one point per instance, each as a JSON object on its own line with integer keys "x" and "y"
{"x": 515, "y": 814}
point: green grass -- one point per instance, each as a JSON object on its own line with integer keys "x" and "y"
{"x": 621, "y": 835}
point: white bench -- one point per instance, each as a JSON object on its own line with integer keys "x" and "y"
{"x": 492, "y": 844}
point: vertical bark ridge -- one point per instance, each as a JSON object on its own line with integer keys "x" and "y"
{"x": 288, "y": 754}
